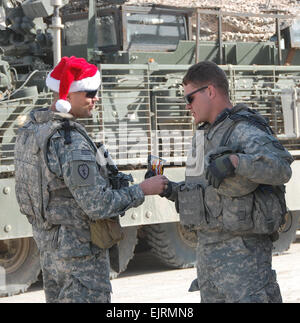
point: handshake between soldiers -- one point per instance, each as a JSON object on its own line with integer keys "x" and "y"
{"x": 156, "y": 168}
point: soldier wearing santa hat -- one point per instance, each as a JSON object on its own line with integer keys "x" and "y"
{"x": 64, "y": 192}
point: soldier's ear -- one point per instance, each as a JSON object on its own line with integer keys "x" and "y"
{"x": 212, "y": 91}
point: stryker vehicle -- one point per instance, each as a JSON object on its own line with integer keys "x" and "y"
{"x": 142, "y": 53}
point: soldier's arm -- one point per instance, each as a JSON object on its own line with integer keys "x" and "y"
{"x": 262, "y": 159}
{"x": 76, "y": 164}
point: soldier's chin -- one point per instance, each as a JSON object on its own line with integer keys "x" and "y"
{"x": 237, "y": 186}
{"x": 89, "y": 112}
{"x": 194, "y": 120}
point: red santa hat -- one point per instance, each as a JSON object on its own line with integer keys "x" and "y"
{"x": 72, "y": 74}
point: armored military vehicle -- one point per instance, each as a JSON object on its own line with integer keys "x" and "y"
{"x": 142, "y": 53}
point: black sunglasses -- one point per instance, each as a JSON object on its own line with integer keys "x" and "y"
{"x": 189, "y": 99}
{"x": 90, "y": 94}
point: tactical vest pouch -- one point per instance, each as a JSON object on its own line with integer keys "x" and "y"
{"x": 260, "y": 212}
{"x": 269, "y": 208}
{"x": 213, "y": 205}
{"x": 191, "y": 204}
{"x": 237, "y": 213}
{"x": 106, "y": 233}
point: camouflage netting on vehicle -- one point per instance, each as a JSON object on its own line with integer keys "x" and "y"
{"x": 238, "y": 29}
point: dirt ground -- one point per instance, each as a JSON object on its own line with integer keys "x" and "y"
{"x": 148, "y": 281}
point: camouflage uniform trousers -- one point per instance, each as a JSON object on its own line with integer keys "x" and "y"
{"x": 238, "y": 270}
{"x": 75, "y": 280}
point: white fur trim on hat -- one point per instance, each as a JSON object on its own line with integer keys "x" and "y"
{"x": 87, "y": 84}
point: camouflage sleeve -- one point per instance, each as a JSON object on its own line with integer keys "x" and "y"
{"x": 262, "y": 158}
{"x": 76, "y": 164}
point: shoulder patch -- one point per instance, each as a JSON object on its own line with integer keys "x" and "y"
{"x": 83, "y": 171}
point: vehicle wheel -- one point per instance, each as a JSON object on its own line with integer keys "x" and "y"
{"x": 19, "y": 265}
{"x": 172, "y": 243}
{"x": 121, "y": 253}
{"x": 287, "y": 233}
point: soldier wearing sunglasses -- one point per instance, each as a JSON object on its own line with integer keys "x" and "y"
{"x": 233, "y": 193}
{"x": 67, "y": 194}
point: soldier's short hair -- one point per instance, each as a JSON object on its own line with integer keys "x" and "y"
{"x": 205, "y": 73}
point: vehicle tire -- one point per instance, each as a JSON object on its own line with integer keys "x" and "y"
{"x": 172, "y": 243}
{"x": 287, "y": 233}
{"x": 124, "y": 250}
{"x": 19, "y": 265}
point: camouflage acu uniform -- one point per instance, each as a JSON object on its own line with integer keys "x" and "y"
{"x": 234, "y": 253}
{"x": 61, "y": 189}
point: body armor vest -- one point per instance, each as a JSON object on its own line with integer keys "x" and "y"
{"x": 36, "y": 186}
{"x": 213, "y": 140}
{"x": 238, "y": 205}
{"x": 44, "y": 197}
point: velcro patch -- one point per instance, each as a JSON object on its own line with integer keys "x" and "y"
{"x": 82, "y": 155}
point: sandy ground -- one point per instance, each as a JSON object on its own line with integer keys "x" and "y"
{"x": 148, "y": 281}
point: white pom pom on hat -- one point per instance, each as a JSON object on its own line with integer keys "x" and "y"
{"x": 72, "y": 74}
{"x": 63, "y": 106}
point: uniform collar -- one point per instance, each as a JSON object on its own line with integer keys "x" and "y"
{"x": 226, "y": 113}
{"x": 218, "y": 122}
{"x": 222, "y": 116}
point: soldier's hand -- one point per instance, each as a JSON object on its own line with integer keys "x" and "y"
{"x": 154, "y": 185}
{"x": 219, "y": 168}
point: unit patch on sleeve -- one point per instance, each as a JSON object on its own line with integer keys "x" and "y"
{"x": 83, "y": 168}
{"x": 83, "y": 171}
